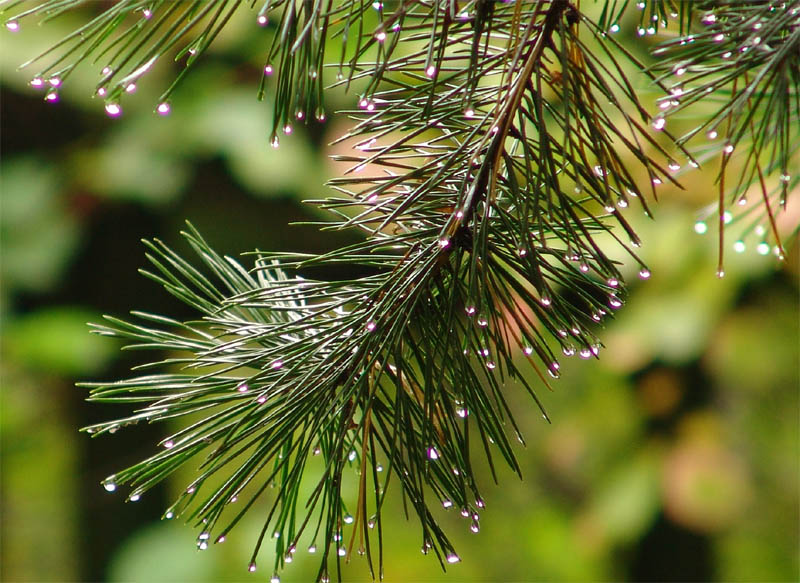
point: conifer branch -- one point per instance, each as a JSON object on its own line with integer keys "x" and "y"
{"x": 745, "y": 58}
{"x": 494, "y": 145}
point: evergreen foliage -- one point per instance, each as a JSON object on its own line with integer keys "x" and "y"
{"x": 493, "y": 144}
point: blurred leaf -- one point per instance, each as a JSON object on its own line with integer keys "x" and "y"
{"x": 137, "y": 161}
{"x": 56, "y": 341}
{"x": 39, "y": 480}
{"x": 232, "y": 123}
{"x": 37, "y": 233}
{"x": 627, "y": 501}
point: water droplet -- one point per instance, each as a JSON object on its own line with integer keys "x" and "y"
{"x": 640, "y": 31}
{"x": 674, "y": 166}
{"x": 700, "y": 228}
{"x": 287, "y": 129}
{"x": 528, "y": 350}
{"x": 430, "y": 71}
{"x": 659, "y": 123}
{"x": 712, "y": 134}
{"x": 275, "y": 579}
{"x": 728, "y": 148}
{"x": 288, "y": 559}
{"x": 644, "y": 273}
{"x": 583, "y": 267}
{"x": 12, "y": 25}
{"x": 190, "y": 490}
{"x": 727, "y": 217}
{"x": 202, "y": 545}
{"x": 720, "y": 273}
{"x": 447, "y": 503}
{"x": 169, "y": 444}
{"x": 491, "y": 365}
{"x": 268, "y": 70}
{"x": 380, "y": 36}
{"x": 324, "y": 579}
{"x": 545, "y": 301}
{"x": 585, "y": 353}
{"x": 262, "y": 20}
{"x": 680, "y": 70}
{"x": 341, "y": 552}
{"x": 251, "y": 567}
{"x": 37, "y": 82}
{"x": 276, "y": 534}
{"x": 220, "y": 539}
{"x": 613, "y": 282}
{"x": 785, "y": 178}
{"x": 379, "y": 468}
{"x": 444, "y": 243}
{"x": 370, "y": 523}
{"x": 109, "y": 485}
{"x": 433, "y": 454}
{"x": 113, "y": 109}
{"x": 739, "y": 246}
{"x": 474, "y": 527}
{"x": 243, "y": 388}
{"x": 483, "y": 322}
{"x": 614, "y": 28}
{"x": 163, "y": 108}
{"x": 614, "y": 301}
{"x": 316, "y": 451}
{"x": 469, "y": 113}
{"x": 130, "y": 88}
{"x": 762, "y": 248}
{"x": 169, "y": 515}
{"x": 352, "y": 455}
{"x": 453, "y": 558}
{"x": 348, "y": 519}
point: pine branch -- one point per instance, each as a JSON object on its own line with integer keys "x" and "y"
{"x": 745, "y": 59}
{"x": 494, "y": 149}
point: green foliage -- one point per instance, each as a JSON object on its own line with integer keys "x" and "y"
{"x": 495, "y": 145}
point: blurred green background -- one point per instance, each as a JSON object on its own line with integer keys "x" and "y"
{"x": 675, "y": 457}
